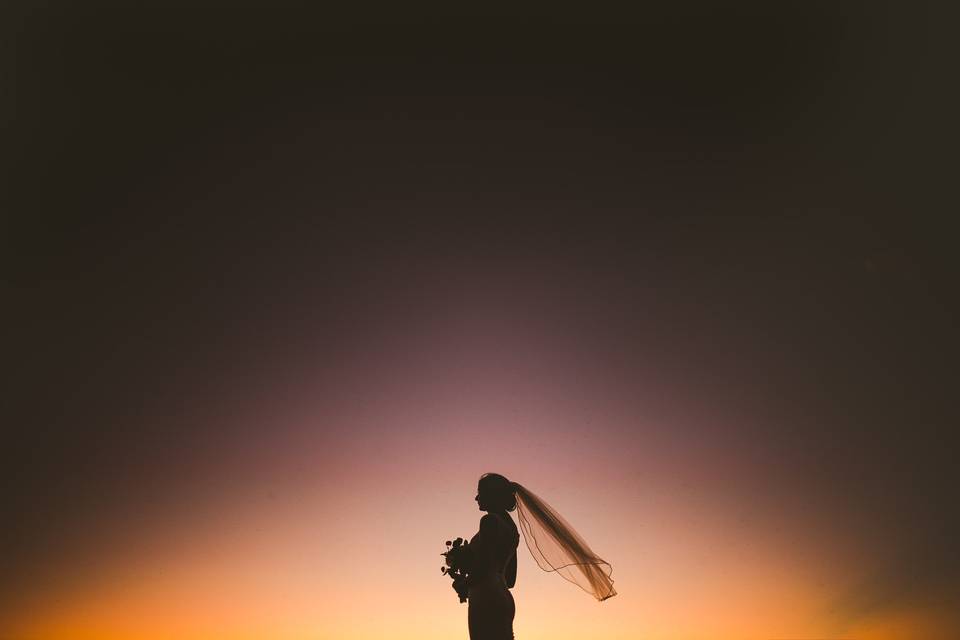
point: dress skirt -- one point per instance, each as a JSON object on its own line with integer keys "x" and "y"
{"x": 490, "y": 610}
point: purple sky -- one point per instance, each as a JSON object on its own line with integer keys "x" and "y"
{"x": 284, "y": 286}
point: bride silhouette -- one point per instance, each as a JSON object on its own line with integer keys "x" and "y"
{"x": 493, "y": 555}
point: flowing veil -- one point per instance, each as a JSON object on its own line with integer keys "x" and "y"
{"x": 557, "y": 547}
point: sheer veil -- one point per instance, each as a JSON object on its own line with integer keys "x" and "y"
{"x": 557, "y": 547}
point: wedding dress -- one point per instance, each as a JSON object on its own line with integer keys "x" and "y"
{"x": 491, "y": 607}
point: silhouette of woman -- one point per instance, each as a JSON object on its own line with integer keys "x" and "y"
{"x": 493, "y": 557}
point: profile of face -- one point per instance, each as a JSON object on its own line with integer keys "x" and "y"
{"x": 482, "y": 498}
{"x": 494, "y": 494}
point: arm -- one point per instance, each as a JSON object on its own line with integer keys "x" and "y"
{"x": 511, "y": 572}
{"x": 489, "y": 527}
{"x": 486, "y": 536}
{"x": 476, "y": 556}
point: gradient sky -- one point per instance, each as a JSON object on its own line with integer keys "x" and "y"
{"x": 283, "y": 283}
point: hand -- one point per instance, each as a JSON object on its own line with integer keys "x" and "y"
{"x": 460, "y": 586}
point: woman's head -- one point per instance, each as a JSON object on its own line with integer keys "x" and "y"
{"x": 495, "y": 493}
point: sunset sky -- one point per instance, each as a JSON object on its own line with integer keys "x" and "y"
{"x": 284, "y": 283}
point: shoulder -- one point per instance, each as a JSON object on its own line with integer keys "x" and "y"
{"x": 490, "y": 521}
{"x": 496, "y": 521}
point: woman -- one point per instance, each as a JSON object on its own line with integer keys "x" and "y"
{"x": 493, "y": 566}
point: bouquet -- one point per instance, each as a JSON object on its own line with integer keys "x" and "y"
{"x": 457, "y": 559}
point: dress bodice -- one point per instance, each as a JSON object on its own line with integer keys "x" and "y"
{"x": 494, "y": 546}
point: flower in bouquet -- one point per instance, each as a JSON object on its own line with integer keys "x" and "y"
{"x": 457, "y": 562}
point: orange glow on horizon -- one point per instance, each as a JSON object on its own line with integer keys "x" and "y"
{"x": 329, "y": 525}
